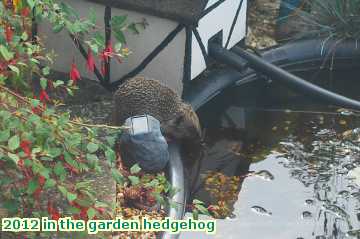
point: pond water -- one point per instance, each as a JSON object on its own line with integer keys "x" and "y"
{"x": 271, "y": 172}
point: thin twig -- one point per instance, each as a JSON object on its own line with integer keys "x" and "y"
{"x": 25, "y": 100}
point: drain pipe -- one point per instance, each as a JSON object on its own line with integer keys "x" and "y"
{"x": 177, "y": 181}
{"x": 238, "y": 56}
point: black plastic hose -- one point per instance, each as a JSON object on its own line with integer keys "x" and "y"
{"x": 239, "y": 57}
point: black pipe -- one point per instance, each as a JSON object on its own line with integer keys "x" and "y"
{"x": 238, "y": 61}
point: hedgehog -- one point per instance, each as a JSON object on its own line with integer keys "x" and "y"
{"x": 140, "y": 96}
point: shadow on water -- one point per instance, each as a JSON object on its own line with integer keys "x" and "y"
{"x": 278, "y": 166}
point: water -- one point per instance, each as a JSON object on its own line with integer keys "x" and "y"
{"x": 281, "y": 173}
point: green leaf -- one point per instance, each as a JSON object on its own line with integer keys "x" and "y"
{"x": 31, "y": 3}
{"x": 81, "y": 185}
{"x": 71, "y": 196}
{"x": 135, "y": 169}
{"x": 68, "y": 10}
{"x": 160, "y": 199}
{"x": 202, "y": 209}
{"x": 14, "y": 142}
{"x": 35, "y": 103}
{"x": 68, "y": 195}
{"x": 12, "y": 206}
{"x": 92, "y": 16}
{"x": 101, "y": 204}
{"x": 54, "y": 152}
{"x": 32, "y": 186}
{"x": 74, "y": 210}
{"x": 118, "y": 21}
{"x": 58, "y": 83}
{"x": 13, "y": 157}
{"x": 43, "y": 83}
{"x": 110, "y": 155}
{"x": 154, "y": 183}
{"x": 99, "y": 39}
{"x": 195, "y": 214}
{"x": 59, "y": 169}
{"x": 6, "y": 53}
{"x": 24, "y": 36}
{"x": 14, "y": 69}
{"x": 134, "y": 180}
{"x": 92, "y": 158}
{"x": 133, "y": 28}
{"x": 196, "y": 201}
{"x": 111, "y": 140}
{"x": 4, "y": 135}
{"x": 69, "y": 91}
{"x": 58, "y": 27}
{"x": 50, "y": 183}
{"x": 84, "y": 203}
{"x": 5, "y": 115}
{"x": 46, "y": 70}
{"x": 63, "y": 190}
{"x": 119, "y": 36}
{"x": 119, "y": 178}
{"x": 92, "y": 148}
{"x": 118, "y": 46}
{"x": 91, "y": 213}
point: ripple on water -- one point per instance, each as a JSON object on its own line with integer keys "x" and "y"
{"x": 265, "y": 175}
{"x": 261, "y": 211}
{"x": 309, "y": 202}
{"x": 344, "y": 193}
{"x": 306, "y": 215}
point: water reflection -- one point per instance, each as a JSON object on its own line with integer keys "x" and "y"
{"x": 297, "y": 171}
{"x": 318, "y": 151}
{"x": 324, "y": 164}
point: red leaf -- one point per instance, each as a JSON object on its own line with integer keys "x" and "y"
{"x": 101, "y": 210}
{"x": 25, "y": 146}
{"x": 25, "y": 12}
{"x": 36, "y": 110}
{"x": 90, "y": 64}
{"x": 8, "y": 33}
{"x": 55, "y": 216}
{"x": 74, "y": 73}
{"x": 83, "y": 214}
{"x": 21, "y": 163}
{"x": 41, "y": 180}
{"x": 44, "y": 96}
{"x": 37, "y": 193}
{"x": 50, "y": 207}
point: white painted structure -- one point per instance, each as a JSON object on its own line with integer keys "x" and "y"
{"x": 183, "y": 59}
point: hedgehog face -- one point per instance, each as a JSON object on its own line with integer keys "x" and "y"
{"x": 184, "y": 127}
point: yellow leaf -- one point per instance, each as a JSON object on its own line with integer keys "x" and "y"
{"x": 16, "y": 4}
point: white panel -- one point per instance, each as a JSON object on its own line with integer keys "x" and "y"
{"x": 240, "y": 27}
{"x": 210, "y": 3}
{"x": 168, "y": 66}
{"x": 196, "y": 56}
{"x": 221, "y": 18}
{"x": 141, "y": 45}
